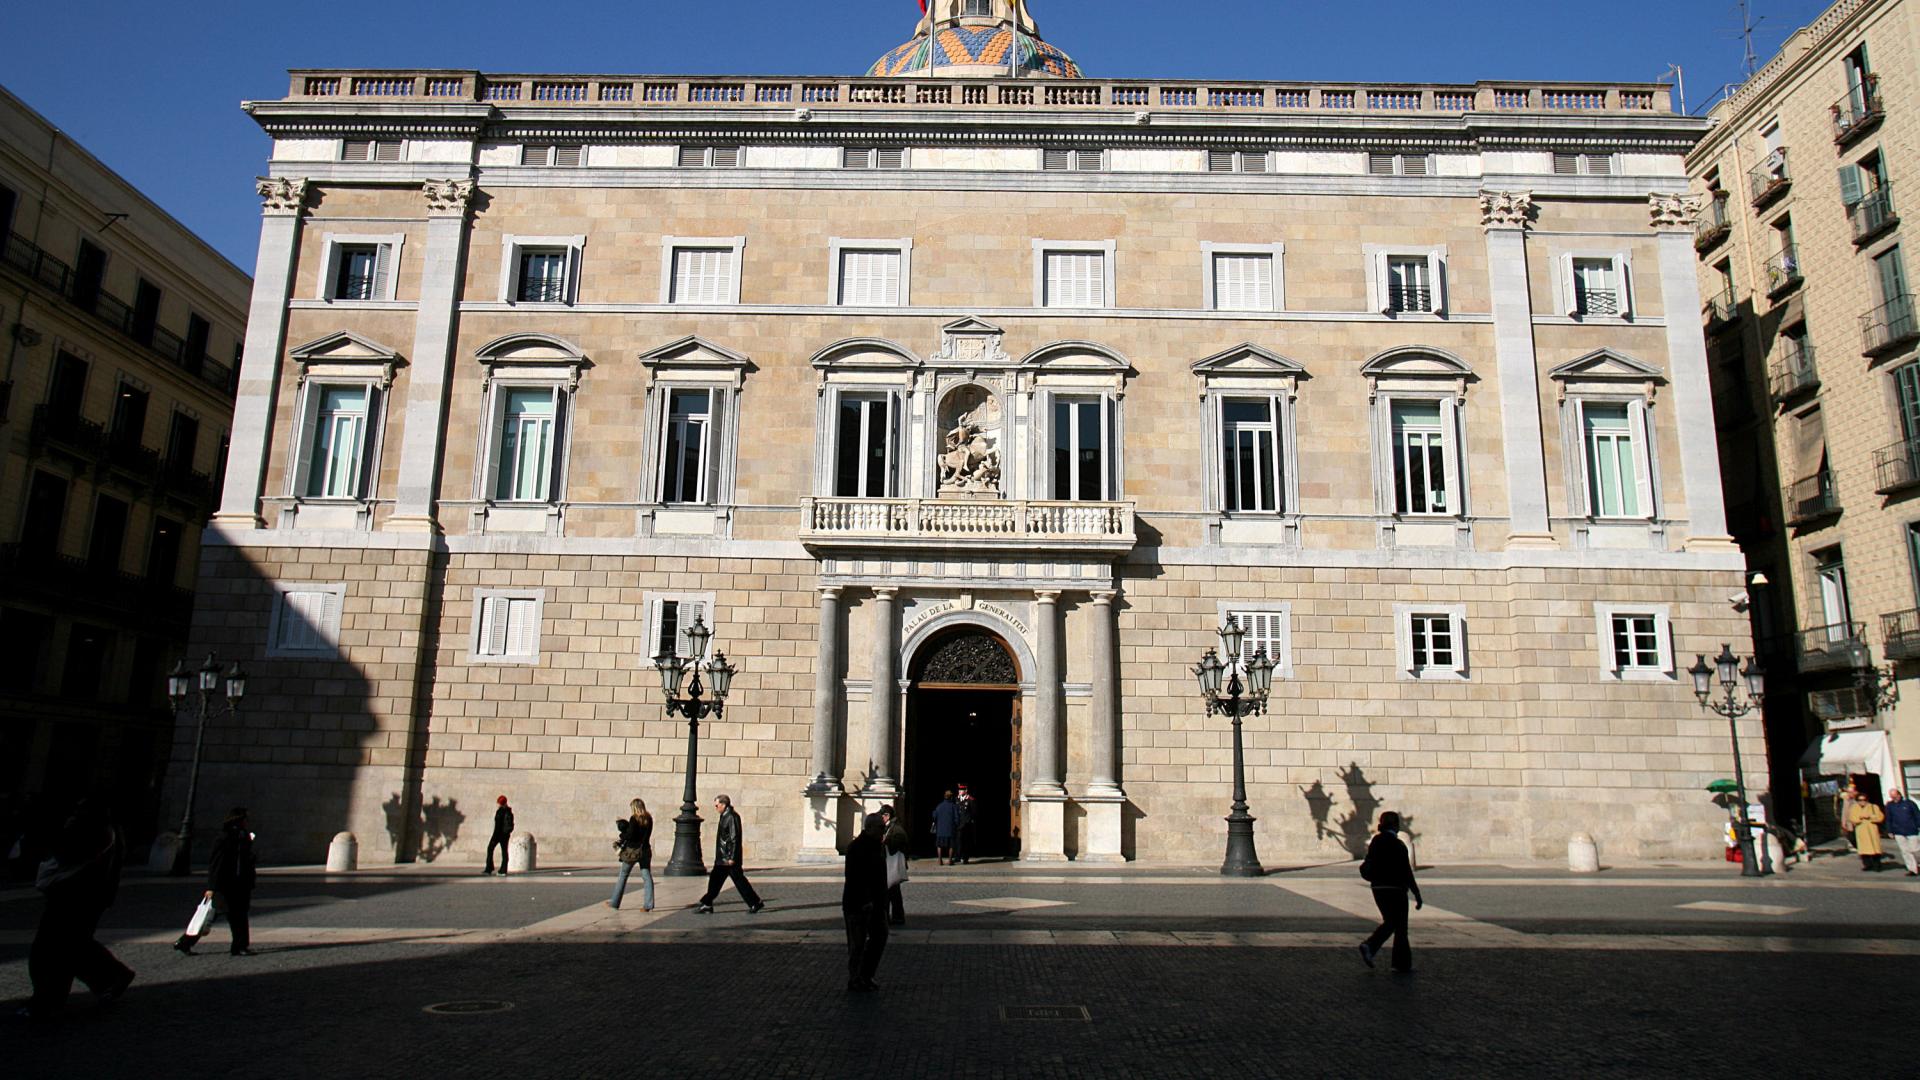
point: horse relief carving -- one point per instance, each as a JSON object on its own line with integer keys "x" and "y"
{"x": 970, "y": 449}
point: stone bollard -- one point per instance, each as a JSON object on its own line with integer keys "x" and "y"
{"x": 1776, "y": 853}
{"x": 165, "y": 848}
{"x": 521, "y": 853}
{"x": 1583, "y": 855}
{"x": 343, "y": 854}
{"x": 1413, "y": 857}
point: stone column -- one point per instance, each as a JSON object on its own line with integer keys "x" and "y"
{"x": 820, "y": 833}
{"x": 1504, "y": 216}
{"x": 247, "y": 448}
{"x": 882, "y": 783}
{"x": 1103, "y": 800}
{"x": 431, "y": 369}
{"x": 1691, "y": 392}
{"x": 1044, "y": 820}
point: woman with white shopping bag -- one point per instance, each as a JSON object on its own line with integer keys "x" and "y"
{"x": 230, "y": 877}
{"x": 896, "y": 841}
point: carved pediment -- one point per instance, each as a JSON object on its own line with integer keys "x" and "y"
{"x": 1606, "y": 369}
{"x": 1415, "y": 365}
{"x": 694, "y": 351}
{"x": 867, "y": 352}
{"x": 346, "y": 353}
{"x": 970, "y": 341}
{"x": 533, "y": 356}
{"x": 1247, "y": 359}
{"x": 1076, "y": 356}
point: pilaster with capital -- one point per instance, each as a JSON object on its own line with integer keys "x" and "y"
{"x": 281, "y": 201}
{"x": 882, "y": 783}
{"x": 1505, "y": 216}
{"x": 1103, "y": 801}
{"x": 442, "y": 265}
{"x": 1044, "y": 817}
{"x": 820, "y": 823}
{"x": 1690, "y": 391}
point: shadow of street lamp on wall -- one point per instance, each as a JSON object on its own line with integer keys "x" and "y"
{"x": 197, "y": 690}
{"x": 687, "y": 860}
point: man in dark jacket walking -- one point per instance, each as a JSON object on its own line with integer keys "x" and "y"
{"x": 502, "y": 832}
{"x": 729, "y": 852}
{"x": 863, "y": 902}
{"x": 1903, "y": 824}
{"x": 1390, "y": 872}
{"x": 896, "y": 841}
{"x": 80, "y": 883}
{"x": 230, "y": 877}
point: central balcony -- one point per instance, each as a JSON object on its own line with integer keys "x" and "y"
{"x": 1837, "y": 647}
{"x": 1783, "y": 270}
{"x": 1712, "y": 226}
{"x": 1770, "y": 179}
{"x": 1873, "y": 214}
{"x": 1792, "y": 374}
{"x": 962, "y": 524}
{"x": 1889, "y": 327}
{"x": 1812, "y": 498}
{"x": 1857, "y": 111}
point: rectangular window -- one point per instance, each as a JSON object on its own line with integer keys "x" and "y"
{"x": 672, "y": 617}
{"x": 193, "y": 352}
{"x": 1636, "y": 643}
{"x": 163, "y": 552}
{"x": 1430, "y": 638}
{"x": 508, "y": 626}
{"x": 1075, "y": 279}
{"x": 863, "y": 458}
{"x": 46, "y": 514}
{"x": 1419, "y": 459}
{"x": 1266, "y": 632}
{"x": 1082, "y": 434}
{"x": 129, "y": 416}
{"x": 1906, "y": 392}
{"x": 370, "y": 150}
{"x": 1250, "y": 455}
{"x": 338, "y": 449}
{"x": 1409, "y": 284}
{"x": 1380, "y": 164}
{"x": 146, "y": 311}
{"x": 870, "y": 278}
{"x": 1073, "y": 160}
{"x": 1836, "y": 610}
{"x": 703, "y": 276}
{"x": 1240, "y": 161}
{"x": 1582, "y": 164}
{"x": 1596, "y": 289}
{"x": 1613, "y": 462}
{"x": 709, "y": 157}
{"x": 527, "y": 437}
{"x": 873, "y": 157}
{"x": 306, "y": 620}
{"x": 564, "y": 155}
{"x": 542, "y": 276}
{"x": 683, "y": 463}
{"x": 108, "y": 541}
{"x": 1242, "y": 282}
{"x": 360, "y": 272}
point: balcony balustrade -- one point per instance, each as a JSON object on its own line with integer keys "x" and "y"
{"x": 72, "y": 578}
{"x": 1857, "y": 111}
{"x": 1812, "y": 498}
{"x": 1890, "y": 326}
{"x": 1769, "y": 179}
{"x": 1873, "y": 214}
{"x": 1842, "y": 707}
{"x": 1793, "y": 373}
{"x": 1783, "y": 270}
{"x": 1894, "y": 467}
{"x": 1900, "y": 633}
{"x": 962, "y": 523}
{"x": 1837, "y": 647}
{"x": 1720, "y": 308}
{"x": 1713, "y": 224}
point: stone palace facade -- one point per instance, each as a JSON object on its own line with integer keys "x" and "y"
{"x": 963, "y": 401}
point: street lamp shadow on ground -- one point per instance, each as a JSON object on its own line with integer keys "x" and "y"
{"x": 197, "y": 689}
{"x": 1236, "y": 701}
{"x": 687, "y": 860}
{"x": 1727, "y": 670}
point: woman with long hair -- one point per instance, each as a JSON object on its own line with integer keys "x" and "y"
{"x": 636, "y": 851}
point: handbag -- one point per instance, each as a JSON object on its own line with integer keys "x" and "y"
{"x": 202, "y": 918}
{"x": 896, "y": 869}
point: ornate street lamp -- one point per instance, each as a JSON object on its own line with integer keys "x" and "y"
{"x": 198, "y": 689}
{"x": 1241, "y": 860}
{"x": 686, "y": 860}
{"x": 1727, "y": 670}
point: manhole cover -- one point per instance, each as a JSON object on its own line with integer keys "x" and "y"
{"x": 467, "y": 1008}
{"x": 1044, "y": 1012}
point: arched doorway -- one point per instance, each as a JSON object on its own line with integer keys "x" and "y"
{"x": 963, "y": 727}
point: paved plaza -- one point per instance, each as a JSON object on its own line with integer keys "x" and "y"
{"x": 1003, "y": 970}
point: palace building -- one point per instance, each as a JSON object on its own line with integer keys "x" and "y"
{"x": 963, "y": 400}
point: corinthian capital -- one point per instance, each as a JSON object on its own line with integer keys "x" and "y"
{"x": 280, "y": 194}
{"x": 1505, "y": 209}
{"x": 447, "y": 198}
{"x": 1673, "y": 212}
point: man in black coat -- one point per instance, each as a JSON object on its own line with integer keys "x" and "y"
{"x": 863, "y": 902}
{"x": 1390, "y": 872}
{"x": 897, "y": 842}
{"x": 230, "y": 878}
{"x": 729, "y": 849}
{"x": 80, "y": 883}
{"x": 502, "y": 832}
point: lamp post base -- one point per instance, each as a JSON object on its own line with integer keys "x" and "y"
{"x": 686, "y": 860}
{"x": 1242, "y": 860}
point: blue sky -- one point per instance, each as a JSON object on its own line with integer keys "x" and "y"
{"x": 153, "y": 89}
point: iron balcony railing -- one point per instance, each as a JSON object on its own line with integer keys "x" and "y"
{"x": 1770, "y": 178}
{"x": 48, "y": 573}
{"x": 26, "y": 258}
{"x": 1783, "y": 270}
{"x": 1900, "y": 630}
{"x": 1792, "y": 373}
{"x": 1889, "y": 326}
{"x": 1894, "y": 466}
{"x": 1720, "y": 308}
{"x": 355, "y": 287}
{"x": 1857, "y": 111}
{"x": 1835, "y": 647}
{"x": 1713, "y": 225}
{"x": 543, "y": 290}
{"x": 1840, "y": 704}
{"x": 1409, "y": 297}
{"x": 1598, "y": 301}
{"x": 91, "y": 442}
{"x": 1873, "y": 214}
{"x": 1811, "y": 498}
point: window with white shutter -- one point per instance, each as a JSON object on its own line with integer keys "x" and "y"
{"x": 360, "y": 267}
{"x": 1566, "y": 164}
{"x": 1073, "y": 160}
{"x": 541, "y": 269}
{"x": 1242, "y": 281}
{"x": 1635, "y": 640}
{"x": 1075, "y": 279}
{"x": 306, "y": 620}
{"x": 1267, "y": 628}
{"x": 709, "y": 157}
{"x": 1431, "y": 640}
{"x": 506, "y": 626}
{"x": 669, "y": 616}
{"x": 1384, "y": 164}
{"x": 702, "y": 276}
{"x": 869, "y": 278}
{"x": 869, "y": 157}
{"x": 371, "y": 150}
{"x": 1405, "y": 280}
{"x": 562, "y": 155}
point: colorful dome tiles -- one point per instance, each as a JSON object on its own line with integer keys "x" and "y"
{"x": 986, "y": 47}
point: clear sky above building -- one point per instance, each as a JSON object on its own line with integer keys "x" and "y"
{"x": 153, "y": 89}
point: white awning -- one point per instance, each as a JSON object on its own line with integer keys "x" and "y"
{"x": 1845, "y": 752}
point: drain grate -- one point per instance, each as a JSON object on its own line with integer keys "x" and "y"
{"x": 467, "y": 1008}
{"x": 1044, "y": 1012}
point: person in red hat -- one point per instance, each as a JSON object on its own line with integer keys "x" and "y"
{"x": 502, "y": 832}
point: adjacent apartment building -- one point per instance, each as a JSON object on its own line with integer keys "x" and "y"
{"x": 1815, "y": 342}
{"x": 121, "y": 334}
{"x": 963, "y": 401}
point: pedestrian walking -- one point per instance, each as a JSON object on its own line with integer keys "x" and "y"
{"x": 502, "y": 832}
{"x": 863, "y": 903}
{"x": 1388, "y": 869}
{"x": 1903, "y": 824}
{"x": 1863, "y": 821}
{"x": 729, "y": 856}
{"x": 230, "y": 878}
{"x": 636, "y": 853}
{"x": 946, "y": 817}
{"x": 80, "y": 881}
{"x": 897, "y": 842}
{"x": 963, "y": 832}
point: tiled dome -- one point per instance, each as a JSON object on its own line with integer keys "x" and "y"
{"x": 983, "y": 47}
